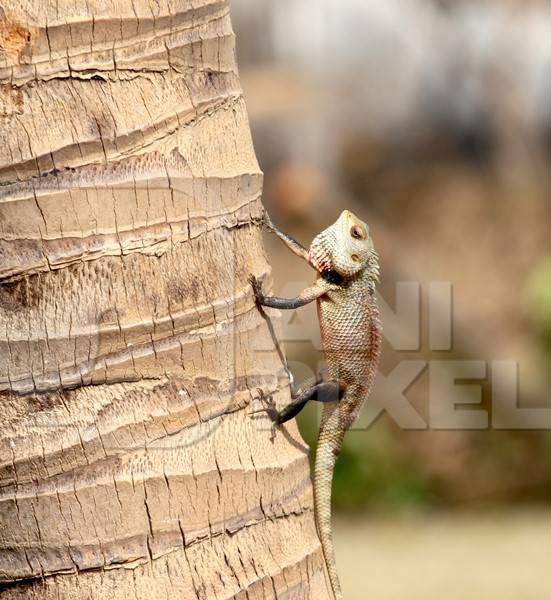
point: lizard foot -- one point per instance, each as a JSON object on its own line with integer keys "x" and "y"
{"x": 257, "y": 288}
{"x": 269, "y": 410}
{"x": 268, "y": 222}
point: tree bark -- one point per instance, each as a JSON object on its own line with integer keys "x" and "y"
{"x": 130, "y": 345}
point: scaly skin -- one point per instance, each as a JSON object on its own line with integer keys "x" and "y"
{"x": 347, "y": 267}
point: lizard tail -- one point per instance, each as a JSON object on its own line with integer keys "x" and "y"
{"x": 330, "y": 440}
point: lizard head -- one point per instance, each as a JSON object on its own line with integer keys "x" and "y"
{"x": 345, "y": 247}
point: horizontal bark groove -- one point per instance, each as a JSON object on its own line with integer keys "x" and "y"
{"x": 139, "y": 175}
{"x": 103, "y": 423}
{"x": 156, "y": 358}
{"x": 62, "y": 251}
{"x": 118, "y": 40}
{"x": 89, "y": 341}
{"x": 139, "y": 61}
{"x": 262, "y": 560}
{"x": 149, "y": 538}
{"x": 48, "y": 164}
{"x": 160, "y": 493}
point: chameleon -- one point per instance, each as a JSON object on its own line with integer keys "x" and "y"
{"x": 347, "y": 267}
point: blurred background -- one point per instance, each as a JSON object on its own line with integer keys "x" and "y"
{"x": 431, "y": 120}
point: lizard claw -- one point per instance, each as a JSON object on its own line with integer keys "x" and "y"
{"x": 269, "y": 410}
{"x": 268, "y": 222}
{"x": 268, "y": 399}
{"x": 257, "y": 288}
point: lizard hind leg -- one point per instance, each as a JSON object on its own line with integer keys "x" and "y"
{"x": 324, "y": 391}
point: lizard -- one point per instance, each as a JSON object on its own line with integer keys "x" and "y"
{"x": 347, "y": 267}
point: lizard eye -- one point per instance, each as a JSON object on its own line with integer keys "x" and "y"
{"x": 358, "y": 232}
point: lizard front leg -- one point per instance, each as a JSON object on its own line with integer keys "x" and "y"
{"x": 290, "y": 242}
{"x": 305, "y": 297}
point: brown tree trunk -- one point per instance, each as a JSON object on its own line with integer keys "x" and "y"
{"x": 130, "y": 346}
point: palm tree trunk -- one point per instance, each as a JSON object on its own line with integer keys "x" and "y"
{"x": 130, "y": 346}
